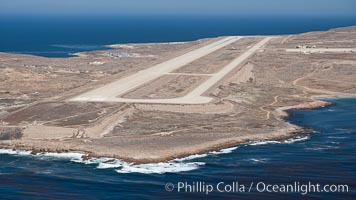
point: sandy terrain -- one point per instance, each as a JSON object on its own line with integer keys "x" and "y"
{"x": 171, "y": 100}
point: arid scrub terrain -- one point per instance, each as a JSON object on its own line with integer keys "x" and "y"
{"x": 155, "y": 102}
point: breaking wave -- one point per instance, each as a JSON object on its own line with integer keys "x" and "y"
{"x": 14, "y": 152}
{"x": 288, "y": 141}
{"x": 173, "y": 166}
{"x": 258, "y": 160}
{"x": 59, "y": 156}
{"x": 160, "y": 168}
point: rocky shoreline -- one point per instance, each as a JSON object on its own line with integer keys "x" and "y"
{"x": 286, "y": 133}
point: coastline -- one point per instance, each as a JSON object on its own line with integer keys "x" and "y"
{"x": 284, "y": 134}
{"x": 113, "y": 129}
{"x": 255, "y": 161}
{"x": 292, "y": 134}
{"x": 176, "y": 165}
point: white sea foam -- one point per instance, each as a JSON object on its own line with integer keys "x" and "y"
{"x": 113, "y": 164}
{"x": 195, "y": 156}
{"x": 173, "y": 166}
{"x": 159, "y": 168}
{"x": 263, "y": 143}
{"x": 224, "y": 151}
{"x": 62, "y": 156}
{"x": 14, "y": 152}
{"x": 120, "y": 166}
{"x": 336, "y": 137}
{"x": 297, "y": 139}
{"x": 65, "y": 156}
{"x": 322, "y": 148}
{"x": 316, "y": 148}
{"x": 191, "y": 157}
{"x": 96, "y": 160}
{"x": 288, "y": 141}
{"x": 258, "y": 160}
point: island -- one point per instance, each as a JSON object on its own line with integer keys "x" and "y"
{"x": 154, "y": 102}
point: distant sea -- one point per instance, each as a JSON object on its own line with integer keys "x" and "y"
{"x": 59, "y": 36}
{"x": 326, "y": 155}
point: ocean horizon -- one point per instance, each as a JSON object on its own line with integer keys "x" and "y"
{"x": 62, "y": 35}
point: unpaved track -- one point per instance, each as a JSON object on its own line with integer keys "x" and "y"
{"x": 323, "y": 50}
{"x": 112, "y": 90}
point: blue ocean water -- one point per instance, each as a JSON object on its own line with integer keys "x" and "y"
{"x": 58, "y": 36}
{"x": 326, "y": 155}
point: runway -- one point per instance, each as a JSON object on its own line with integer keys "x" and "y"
{"x": 112, "y": 91}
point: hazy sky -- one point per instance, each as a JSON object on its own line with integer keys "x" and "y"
{"x": 178, "y": 7}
